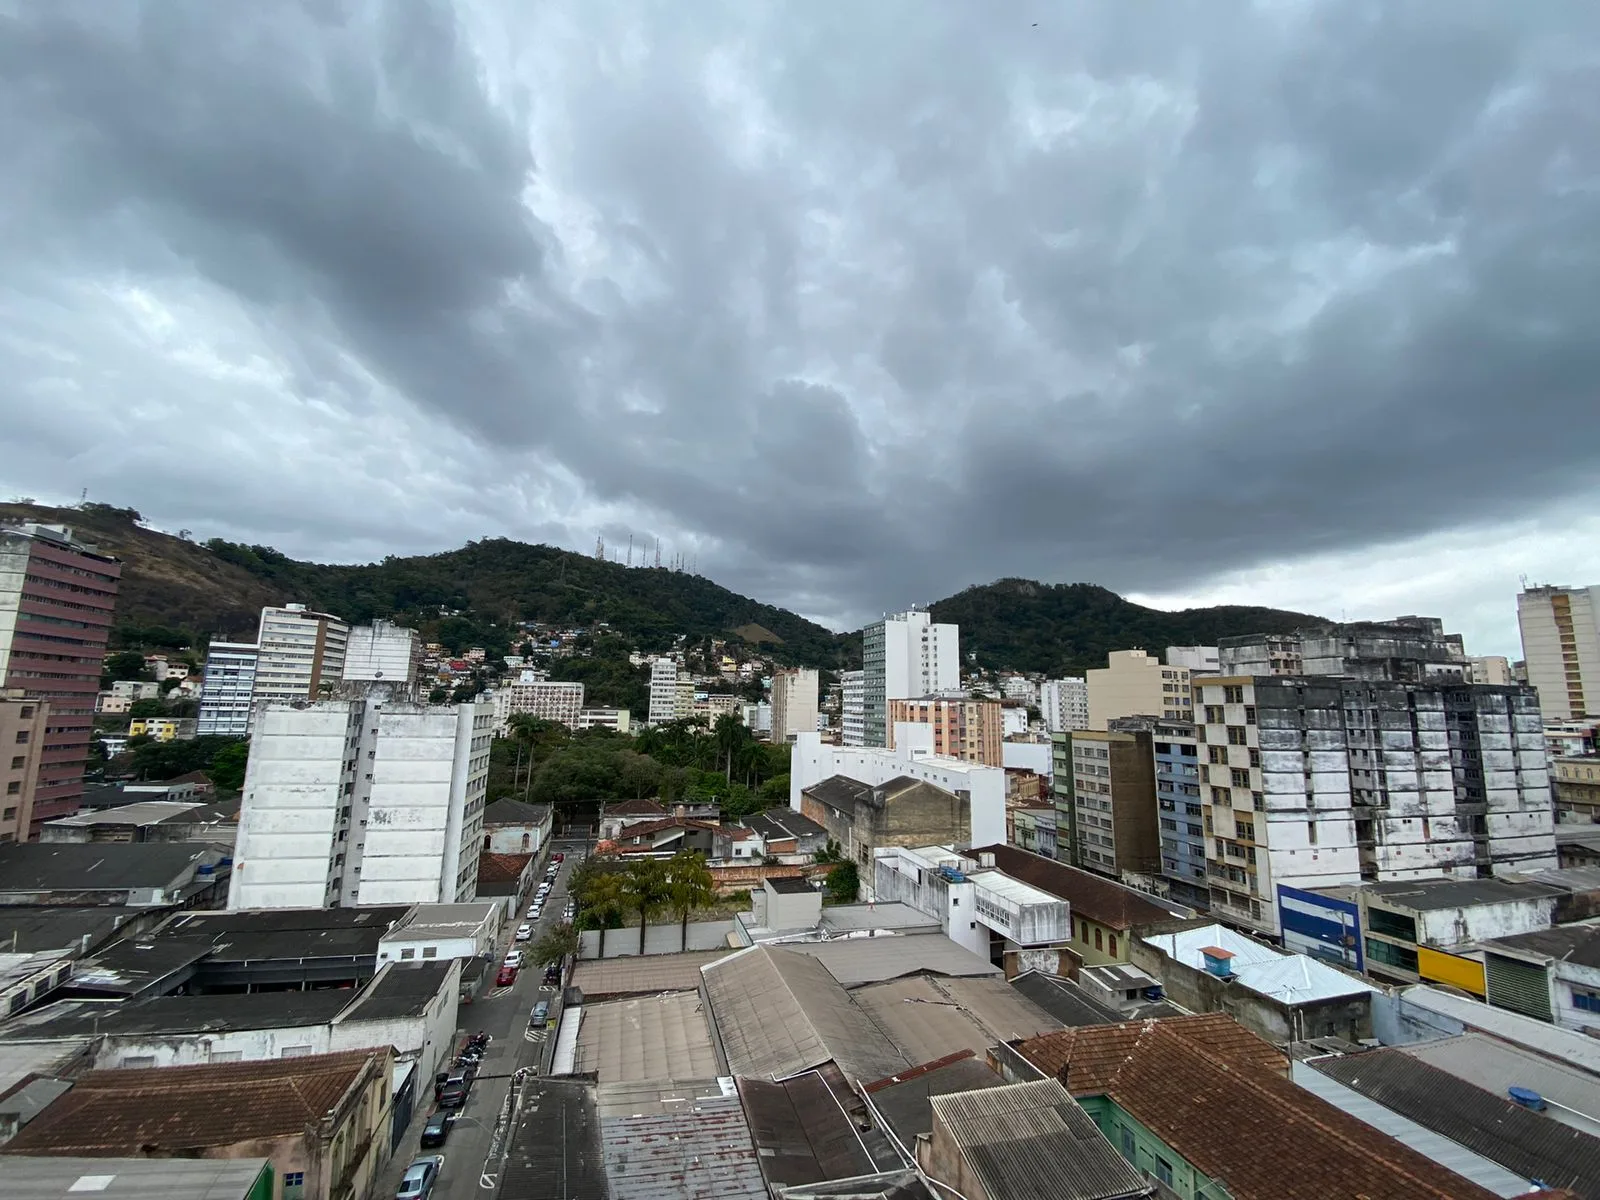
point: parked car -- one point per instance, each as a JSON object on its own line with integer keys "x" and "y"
{"x": 524, "y": 932}
{"x": 533, "y": 912}
{"x": 514, "y": 959}
{"x": 437, "y": 1130}
{"x": 420, "y": 1176}
{"x": 454, "y": 1092}
{"x": 505, "y": 977}
{"x": 559, "y": 857}
{"x": 541, "y": 1015}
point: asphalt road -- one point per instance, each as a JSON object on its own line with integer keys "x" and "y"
{"x": 474, "y": 1147}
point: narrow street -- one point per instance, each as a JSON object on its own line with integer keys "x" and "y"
{"x": 477, "y": 1139}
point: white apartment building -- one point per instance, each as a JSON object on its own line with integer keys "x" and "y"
{"x": 1064, "y": 704}
{"x": 382, "y": 652}
{"x": 531, "y": 694}
{"x": 1561, "y": 645}
{"x": 794, "y": 703}
{"x": 1314, "y": 781}
{"x": 614, "y": 719}
{"x": 370, "y": 800}
{"x": 1201, "y": 660}
{"x": 905, "y": 656}
{"x": 228, "y": 694}
{"x": 298, "y": 652}
{"x": 814, "y": 760}
{"x": 1019, "y": 687}
{"x": 1491, "y": 668}
{"x": 1133, "y": 684}
{"x": 853, "y": 708}
{"x": 663, "y": 691}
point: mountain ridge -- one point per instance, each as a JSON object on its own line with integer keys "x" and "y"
{"x": 217, "y": 588}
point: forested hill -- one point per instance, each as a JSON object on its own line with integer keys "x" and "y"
{"x": 218, "y": 587}
{"x": 1069, "y": 627}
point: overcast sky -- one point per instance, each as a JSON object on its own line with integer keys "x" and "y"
{"x": 1287, "y": 302}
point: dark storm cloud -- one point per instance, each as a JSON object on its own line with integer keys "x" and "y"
{"x": 856, "y": 305}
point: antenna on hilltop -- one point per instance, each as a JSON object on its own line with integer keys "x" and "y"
{"x": 658, "y": 554}
{"x": 630, "y": 549}
{"x": 600, "y": 547}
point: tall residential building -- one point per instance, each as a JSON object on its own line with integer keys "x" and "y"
{"x": 663, "y": 691}
{"x": 301, "y": 653}
{"x": 1490, "y": 668}
{"x": 1180, "y": 811}
{"x": 1561, "y": 645}
{"x": 962, "y": 727}
{"x": 1406, "y": 649}
{"x": 853, "y": 708}
{"x": 683, "y": 697}
{"x": 1019, "y": 687}
{"x": 794, "y": 704}
{"x": 57, "y": 600}
{"x": 1064, "y": 704}
{"x": 382, "y": 652}
{"x": 1114, "y": 802}
{"x": 904, "y": 656}
{"x": 366, "y": 800}
{"x": 531, "y": 693}
{"x": 23, "y": 723}
{"x": 1316, "y": 781}
{"x": 1201, "y": 660}
{"x": 1134, "y": 684}
{"x": 228, "y": 692}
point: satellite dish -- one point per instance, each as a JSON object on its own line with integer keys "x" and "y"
{"x": 377, "y": 674}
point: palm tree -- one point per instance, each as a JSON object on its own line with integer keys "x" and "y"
{"x": 557, "y": 945}
{"x": 688, "y": 885}
{"x": 642, "y": 892}
{"x": 729, "y": 735}
{"x": 604, "y": 904}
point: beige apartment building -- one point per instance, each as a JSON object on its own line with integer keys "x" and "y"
{"x": 794, "y": 704}
{"x": 301, "y": 653}
{"x": 964, "y": 728}
{"x": 1136, "y": 684}
{"x": 1561, "y": 645}
{"x": 1114, "y": 802}
{"x": 22, "y": 725}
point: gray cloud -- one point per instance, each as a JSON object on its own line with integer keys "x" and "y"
{"x": 858, "y": 306}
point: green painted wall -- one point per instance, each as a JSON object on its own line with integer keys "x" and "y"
{"x": 1148, "y": 1152}
{"x": 262, "y": 1188}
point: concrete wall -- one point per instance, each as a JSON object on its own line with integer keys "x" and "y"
{"x": 1452, "y": 926}
{"x": 660, "y": 938}
{"x": 195, "y": 1049}
{"x": 1568, "y": 977}
{"x": 393, "y": 947}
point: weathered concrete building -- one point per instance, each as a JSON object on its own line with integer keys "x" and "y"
{"x": 901, "y": 811}
{"x": 1406, "y": 649}
{"x": 512, "y": 827}
{"x": 1316, "y": 781}
{"x": 1113, "y": 799}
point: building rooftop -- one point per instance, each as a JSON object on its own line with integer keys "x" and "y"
{"x": 778, "y": 1012}
{"x": 1426, "y": 895}
{"x": 904, "y": 1100}
{"x": 1578, "y": 944}
{"x": 854, "y": 961}
{"x": 1064, "y": 1000}
{"x": 506, "y": 811}
{"x": 183, "y": 1110}
{"x": 1496, "y": 1066}
{"x": 1286, "y": 978}
{"x": 794, "y": 885}
{"x": 161, "y": 1015}
{"x": 698, "y": 1150}
{"x": 1450, "y": 1155}
{"x": 56, "y": 1178}
{"x": 838, "y": 792}
{"x": 929, "y": 1017}
{"x": 498, "y": 872}
{"x": 444, "y": 920}
{"x": 1579, "y": 835}
{"x": 142, "y": 812}
{"x": 804, "y": 1133}
{"x": 399, "y": 990}
{"x": 1032, "y": 1139}
{"x": 1532, "y": 1145}
{"x": 1092, "y": 896}
{"x": 139, "y": 964}
{"x": 632, "y": 808}
{"x": 60, "y": 926}
{"x": 555, "y": 1151}
{"x": 635, "y": 975}
{"x": 778, "y": 823}
{"x": 1565, "y": 1045}
{"x": 851, "y": 918}
{"x": 657, "y": 1037}
{"x": 264, "y": 934}
{"x": 99, "y": 866}
{"x": 1015, "y": 890}
{"x": 1195, "y": 1083}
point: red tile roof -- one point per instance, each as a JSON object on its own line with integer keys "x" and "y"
{"x": 174, "y": 1110}
{"x": 633, "y": 808}
{"x": 1090, "y": 895}
{"x": 647, "y": 828}
{"x": 502, "y": 868}
{"x": 1220, "y": 1098}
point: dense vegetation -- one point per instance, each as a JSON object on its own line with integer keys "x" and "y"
{"x": 1067, "y": 628}
{"x": 610, "y": 890}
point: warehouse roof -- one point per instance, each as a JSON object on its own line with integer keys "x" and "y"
{"x": 804, "y": 1131}
{"x": 1578, "y": 944}
{"x": 60, "y": 926}
{"x": 905, "y": 1100}
{"x": 1428, "y": 895}
{"x": 99, "y": 866}
{"x": 181, "y": 1014}
{"x": 1064, "y": 1000}
{"x": 857, "y": 960}
{"x": 401, "y": 989}
{"x": 556, "y": 1151}
{"x": 702, "y": 1151}
{"x": 51, "y": 1177}
{"x": 636, "y": 974}
{"x": 778, "y": 1012}
{"x": 663, "y": 1036}
{"x": 928, "y": 1018}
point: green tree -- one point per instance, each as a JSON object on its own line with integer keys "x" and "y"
{"x": 730, "y": 735}
{"x": 146, "y": 708}
{"x": 124, "y": 665}
{"x": 643, "y": 892}
{"x": 688, "y": 885}
{"x": 556, "y": 945}
{"x": 438, "y": 696}
{"x": 844, "y": 883}
{"x": 228, "y": 765}
{"x": 603, "y": 906}
{"x": 776, "y": 788}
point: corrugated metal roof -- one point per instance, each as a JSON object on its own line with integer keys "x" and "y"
{"x": 801, "y": 1132}
{"x": 1064, "y": 1000}
{"x": 929, "y": 1018}
{"x": 647, "y": 1037}
{"x": 1533, "y": 1146}
{"x": 1032, "y": 1139}
{"x": 1495, "y": 1066}
{"x": 634, "y": 975}
{"x": 1287, "y": 978}
{"x": 1452, "y": 1156}
{"x": 1563, "y": 1044}
{"x": 778, "y": 1012}
{"x": 859, "y": 960}
{"x": 53, "y": 1178}
{"x": 700, "y": 1151}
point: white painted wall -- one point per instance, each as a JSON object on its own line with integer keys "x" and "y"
{"x": 1028, "y": 756}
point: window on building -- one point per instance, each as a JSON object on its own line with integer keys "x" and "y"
{"x": 1163, "y": 1170}
{"x": 1311, "y": 833}
{"x": 1111, "y": 945}
{"x": 294, "y": 1185}
{"x": 1097, "y": 940}
{"x": 408, "y": 953}
{"x": 22, "y": 737}
{"x": 138, "y": 1060}
{"x": 19, "y": 762}
{"x": 1239, "y": 777}
{"x": 1235, "y": 735}
{"x": 430, "y": 952}
{"x": 14, "y": 788}
{"x": 1249, "y": 714}
{"x": 1586, "y": 1001}
{"x": 1233, "y": 694}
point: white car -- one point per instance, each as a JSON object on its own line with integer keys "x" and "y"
{"x": 514, "y": 959}
{"x": 533, "y": 912}
{"x": 524, "y": 932}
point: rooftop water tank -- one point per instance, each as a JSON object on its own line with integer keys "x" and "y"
{"x": 1526, "y": 1097}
